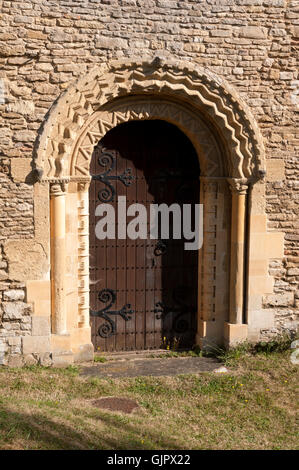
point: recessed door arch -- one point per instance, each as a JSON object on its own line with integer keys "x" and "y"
{"x": 143, "y": 293}
{"x": 206, "y": 109}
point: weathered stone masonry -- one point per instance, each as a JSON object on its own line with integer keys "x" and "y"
{"x": 44, "y": 47}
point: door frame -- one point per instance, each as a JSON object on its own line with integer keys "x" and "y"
{"x": 231, "y": 155}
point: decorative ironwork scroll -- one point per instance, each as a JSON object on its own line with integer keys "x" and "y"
{"x": 108, "y": 328}
{"x": 160, "y": 248}
{"x": 179, "y": 310}
{"x": 107, "y": 159}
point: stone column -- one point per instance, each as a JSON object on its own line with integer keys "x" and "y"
{"x": 57, "y": 211}
{"x": 236, "y": 331}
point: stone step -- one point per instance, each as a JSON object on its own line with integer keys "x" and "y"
{"x": 133, "y": 355}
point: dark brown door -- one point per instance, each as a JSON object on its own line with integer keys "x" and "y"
{"x": 143, "y": 293}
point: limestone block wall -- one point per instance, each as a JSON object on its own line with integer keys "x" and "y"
{"x": 45, "y": 46}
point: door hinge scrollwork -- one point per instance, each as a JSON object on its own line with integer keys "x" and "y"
{"x": 179, "y": 310}
{"x": 107, "y": 160}
{"x": 160, "y": 248}
{"x": 108, "y": 328}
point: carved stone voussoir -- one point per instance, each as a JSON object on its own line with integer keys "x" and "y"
{"x": 193, "y": 87}
{"x": 137, "y": 108}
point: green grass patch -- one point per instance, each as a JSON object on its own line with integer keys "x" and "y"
{"x": 251, "y": 407}
{"x": 100, "y": 359}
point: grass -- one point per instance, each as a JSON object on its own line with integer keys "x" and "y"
{"x": 178, "y": 353}
{"x": 278, "y": 344}
{"x": 252, "y": 407}
{"x": 100, "y": 359}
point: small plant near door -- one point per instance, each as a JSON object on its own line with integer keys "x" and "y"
{"x": 100, "y": 359}
{"x": 170, "y": 344}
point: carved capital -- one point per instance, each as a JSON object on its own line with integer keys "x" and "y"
{"x": 58, "y": 187}
{"x": 238, "y": 185}
{"x": 83, "y": 185}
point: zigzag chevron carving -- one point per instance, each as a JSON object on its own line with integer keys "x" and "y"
{"x": 58, "y": 150}
{"x": 102, "y": 121}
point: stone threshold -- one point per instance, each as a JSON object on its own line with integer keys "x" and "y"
{"x": 136, "y": 354}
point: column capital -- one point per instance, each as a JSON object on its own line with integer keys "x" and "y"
{"x": 83, "y": 186}
{"x": 58, "y": 187}
{"x": 238, "y": 185}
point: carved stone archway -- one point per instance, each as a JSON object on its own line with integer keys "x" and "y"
{"x": 229, "y": 147}
{"x": 204, "y": 91}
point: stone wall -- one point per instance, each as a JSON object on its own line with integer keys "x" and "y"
{"x": 45, "y": 45}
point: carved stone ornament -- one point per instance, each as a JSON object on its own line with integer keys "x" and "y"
{"x": 124, "y": 110}
{"x": 198, "y": 90}
{"x": 239, "y": 186}
{"x": 58, "y": 187}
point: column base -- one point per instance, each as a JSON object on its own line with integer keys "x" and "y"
{"x": 84, "y": 353}
{"x": 61, "y": 353}
{"x": 53, "y": 350}
{"x": 82, "y": 347}
{"x": 60, "y": 342}
{"x": 62, "y": 358}
{"x": 209, "y": 335}
{"x": 234, "y": 334}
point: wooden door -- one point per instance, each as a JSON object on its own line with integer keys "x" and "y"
{"x": 143, "y": 293}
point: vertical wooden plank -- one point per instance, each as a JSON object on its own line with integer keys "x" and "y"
{"x": 141, "y": 192}
{"x": 120, "y": 190}
{"x": 130, "y": 245}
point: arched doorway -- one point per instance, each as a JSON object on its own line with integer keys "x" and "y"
{"x": 143, "y": 292}
{"x": 230, "y": 150}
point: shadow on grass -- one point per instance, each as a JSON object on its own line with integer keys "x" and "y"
{"x": 37, "y": 431}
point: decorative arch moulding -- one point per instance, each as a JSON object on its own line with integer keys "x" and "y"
{"x": 90, "y": 100}
{"x": 138, "y": 108}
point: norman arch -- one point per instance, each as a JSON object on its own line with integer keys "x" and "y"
{"x": 210, "y": 95}
{"x": 231, "y": 155}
